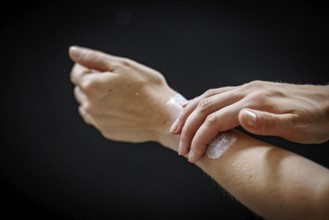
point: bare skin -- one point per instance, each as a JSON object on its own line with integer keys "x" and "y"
{"x": 127, "y": 101}
{"x": 120, "y": 89}
{"x": 298, "y": 113}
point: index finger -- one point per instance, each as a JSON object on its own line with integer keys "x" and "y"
{"x": 93, "y": 59}
{"x": 191, "y": 106}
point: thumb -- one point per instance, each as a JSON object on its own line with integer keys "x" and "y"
{"x": 89, "y": 58}
{"x": 264, "y": 123}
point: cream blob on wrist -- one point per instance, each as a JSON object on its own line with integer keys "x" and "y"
{"x": 219, "y": 145}
{"x": 174, "y": 104}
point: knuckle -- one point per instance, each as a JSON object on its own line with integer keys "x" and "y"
{"x": 256, "y": 84}
{"x": 72, "y": 78}
{"x": 211, "y": 119}
{"x": 204, "y": 105}
{"x": 263, "y": 100}
{"x": 257, "y": 99}
{"x": 76, "y": 93}
{"x": 88, "y": 107}
{"x": 210, "y": 92}
{"x": 125, "y": 62}
{"x": 115, "y": 66}
{"x": 274, "y": 93}
{"x": 88, "y": 85}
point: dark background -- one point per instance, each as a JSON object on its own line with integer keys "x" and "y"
{"x": 56, "y": 167}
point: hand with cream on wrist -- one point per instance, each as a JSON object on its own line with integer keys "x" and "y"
{"x": 124, "y": 100}
{"x": 129, "y": 102}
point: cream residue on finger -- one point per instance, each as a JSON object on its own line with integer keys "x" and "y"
{"x": 220, "y": 144}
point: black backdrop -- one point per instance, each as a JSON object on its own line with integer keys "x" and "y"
{"x": 55, "y": 166}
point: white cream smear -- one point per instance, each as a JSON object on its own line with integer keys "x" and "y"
{"x": 177, "y": 99}
{"x": 219, "y": 145}
{"x": 175, "y": 103}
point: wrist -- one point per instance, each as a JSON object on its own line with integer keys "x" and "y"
{"x": 171, "y": 107}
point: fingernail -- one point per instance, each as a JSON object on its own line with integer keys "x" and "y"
{"x": 74, "y": 52}
{"x": 174, "y": 126}
{"x": 180, "y": 148}
{"x": 251, "y": 118}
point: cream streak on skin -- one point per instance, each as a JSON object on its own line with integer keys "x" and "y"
{"x": 219, "y": 145}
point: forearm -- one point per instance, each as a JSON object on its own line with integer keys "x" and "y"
{"x": 273, "y": 182}
{"x": 127, "y": 101}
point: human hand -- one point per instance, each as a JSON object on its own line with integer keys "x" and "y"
{"x": 298, "y": 113}
{"x": 124, "y": 100}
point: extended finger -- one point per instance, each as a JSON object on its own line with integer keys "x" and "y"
{"x": 192, "y": 105}
{"x": 92, "y": 59}
{"x": 204, "y": 108}
{"x": 194, "y": 121}
{"x": 219, "y": 121}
